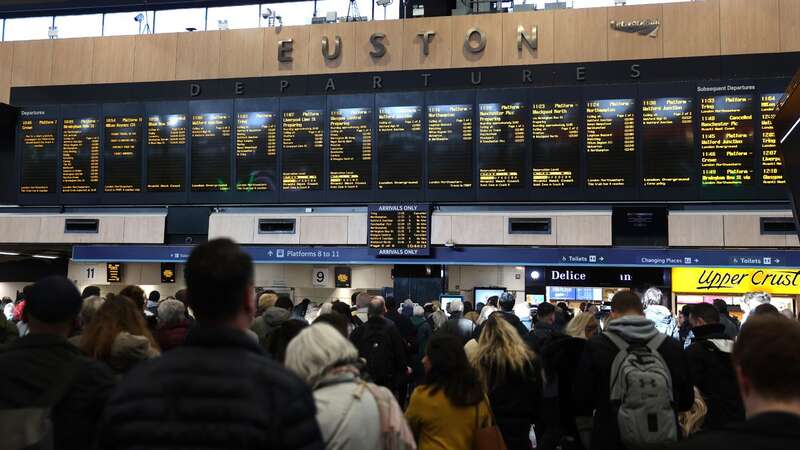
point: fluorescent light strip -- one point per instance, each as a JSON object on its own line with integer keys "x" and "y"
{"x": 45, "y": 256}
{"x": 9, "y": 254}
{"x": 790, "y": 130}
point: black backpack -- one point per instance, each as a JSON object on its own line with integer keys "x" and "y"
{"x": 375, "y": 346}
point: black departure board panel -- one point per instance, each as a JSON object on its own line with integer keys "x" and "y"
{"x": 350, "y": 142}
{"x": 211, "y": 152}
{"x": 450, "y": 164}
{"x": 727, "y": 139}
{"x": 303, "y": 150}
{"x": 668, "y": 141}
{"x": 399, "y": 229}
{"x": 122, "y": 150}
{"x": 39, "y": 153}
{"x": 400, "y": 142}
{"x": 556, "y": 144}
{"x": 501, "y": 144}
{"x": 611, "y": 142}
{"x": 771, "y": 166}
{"x": 166, "y": 152}
{"x": 80, "y": 155}
{"x": 256, "y": 151}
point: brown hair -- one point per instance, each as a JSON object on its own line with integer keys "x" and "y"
{"x": 625, "y": 302}
{"x": 766, "y": 352}
{"x": 117, "y": 315}
{"x": 134, "y": 293}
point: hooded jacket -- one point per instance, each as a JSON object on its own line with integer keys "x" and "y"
{"x": 663, "y": 320}
{"x": 264, "y": 325}
{"x": 129, "y": 350}
{"x": 171, "y": 336}
{"x": 592, "y": 380}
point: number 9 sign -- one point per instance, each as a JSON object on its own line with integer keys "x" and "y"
{"x": 320, "y": 277}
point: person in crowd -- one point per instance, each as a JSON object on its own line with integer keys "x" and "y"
{"x": 347, "y": 313}
{"x": 563, "y": 316}
{"x": 660, "y": 315}
{"x": 509, "y": 371}
{"x": 138, "y": 296}
{"x": 592, "y": 387}
{"x": 352, "y": 414}
{"x": 438, "y": 317}
{"x": 89, "y": 309}
{"x": 767, "y": 365}
{"x": 472, "y": 316}
{"x": 152, "y": 302}
{"x": 447, "y": 409}
{"x": 301, "y": 309}
{"x": 118, "y": 335}
{"x": 336, "y": 320}
{"x": 507, "y": 302}
{"x": 685, "y": 326}
{"x": 424, "y": 333}
{"x": 362, "y": 302}
{"x": 379, "y": 342}
{"x": 90, "y": 291}
{"x": 487, "y": 310}
{"x": 8, "y": 308}
{"x": 407, "y": 308}
{"x": 479, "y": 307}
{"x": 279, "y": 339}
{"x": 19, "y": 318}
{"x": 8, "y": 331}
{"x": 43, "y": 369}
{"x": 765, "y": 309}
{"x": 786, "y": 312}
{"x": 710, "y": 366}
{"x": 691, "y": 422}
{"x": 219, "y": 390}
{"x": 265, "y": 300}
{"x": 407, "y": 330}
{"x": 272, "y": 318}
{"x": 544, "y": 329}
{"x": 751, "y": 301}
{"x": 729, "y": 322}
{"x": 181, "y": 297}
{"x": 468, "y": 307}
{"x": 456, "y": 324}
{"x": 172, "y": 325}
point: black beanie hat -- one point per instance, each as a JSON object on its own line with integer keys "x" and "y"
{"x": 53, "y": 299}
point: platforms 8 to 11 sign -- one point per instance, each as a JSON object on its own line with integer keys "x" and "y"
{"x": 401, "y": 229}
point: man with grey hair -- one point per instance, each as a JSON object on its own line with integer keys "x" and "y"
{"x": 457, "y": 325}
{"x": 172, "y": 324}
{"x": 656, "y": 312}
{"x": 751, "y": 301}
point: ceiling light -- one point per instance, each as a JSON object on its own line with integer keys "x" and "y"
{"x": 9, "y": 254}
{"x": 45, "y": 256}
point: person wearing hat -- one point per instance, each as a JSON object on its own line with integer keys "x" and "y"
{"x": 44, "y": 365}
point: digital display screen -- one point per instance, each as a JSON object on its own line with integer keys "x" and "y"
{"x": 256, "y": 151}
{"x": 556, "y": 144}
{"x": 667, "y": 141}
{"x": 302, "y": 150}
{"x": 350, "y": 140}
{"x": 771, "y": 166}
{"x": 80, "y": 155}
{"x": 114, "y": 272}
{"x": 450, "y": 164}
{"x": 122, "y": 150}
{"x": 39, "y": 155}
{"x": 166, "y": 152}
{"x": 400, "y": 145}
{"x": 399, "y": 229}
{"x": 727, "y": 140}
{"x": 611, "y": 143}
{"x": 501, "y": 144}
{"x": 211, "y": 152}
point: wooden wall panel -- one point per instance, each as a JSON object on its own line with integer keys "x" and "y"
{"x": 790, "y": 25}
{"x": 6, "y": 64}
{"x": 346, "y": 62}
{"x": 198, "y": 56}
{"x": 749, "y": 26}
{"x": 393, "y": 59}
{"x": 544, "y": 21}
{"x": 72, "y": 61}
{"x": 691, "y": 29}
{"x": 33, "y": 63}
{"x": 300, "y": 50}
{"x": 623, "y": 45}
{"x": 241, "y": 53}
{"x": 113, "y": 59}
{"x": 490, "y": 25}
{"x": 440, "y": 45}
{"x": 155, "y": 57}
{"x": 580, "y": 35}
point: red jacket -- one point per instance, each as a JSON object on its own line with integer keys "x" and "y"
{"x": 172, "y": 336}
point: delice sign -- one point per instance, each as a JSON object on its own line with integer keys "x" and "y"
{"x": 736, "y": 281}
{"x": 593, "y": 277}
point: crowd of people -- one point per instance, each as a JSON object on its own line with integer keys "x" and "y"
{"x": 221, "y": 366}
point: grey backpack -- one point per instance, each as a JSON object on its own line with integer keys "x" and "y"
{"x": 641, "y": 392}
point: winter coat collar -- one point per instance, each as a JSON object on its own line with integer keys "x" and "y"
{"x": 221, "y": 336}
{"x": 710, "y": 331}
{"x": 633, "y": 328}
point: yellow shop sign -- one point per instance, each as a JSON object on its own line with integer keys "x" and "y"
{"x": 735, "y": 281}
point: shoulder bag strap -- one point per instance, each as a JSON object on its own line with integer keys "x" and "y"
{"x": 656, "y": 342}
{"x": 51, "y": 397}
{"x": 622, "y": 344}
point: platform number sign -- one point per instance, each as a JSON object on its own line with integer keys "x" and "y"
{"x": 320, "y": 277}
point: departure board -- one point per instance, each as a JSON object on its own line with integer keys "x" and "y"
{"x": 211, "y": 152}
{"x": 556, "y": 144}
{"x": 39, "y": 154}
{"x": 667, "y": 141}
{"x": 256, "y": 151}
{"x": 399, "y": 229}
{"x": 611, "y": 143}
{"x": 166, "y": 152}
{"x": 302, "y": 150}
{"x": 501, "y": 144}
{"x": 450, "y": 164}
{"x": 350, "y": 148}
{"x": 727, "y": 140}
{"x": 771, "y": 166}
{"x": 122, "y": 150}
{"x": 400, "y": 145}
{"x": 80, "y": 155}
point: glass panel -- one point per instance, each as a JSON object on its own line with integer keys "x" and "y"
{"x": 28, "y": 28}
{"x": 291, "y": 13}
{"x": 137, "y": 22}
{"x": 79, "y": 26}
{"x": 247, "y": 16}
{"x": 178, "y": 20}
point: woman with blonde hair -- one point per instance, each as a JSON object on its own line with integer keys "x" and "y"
{"x": 583, "y": 326}
{"x": 509, "y": 371}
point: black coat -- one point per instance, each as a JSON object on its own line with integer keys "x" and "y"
{"x": 540, "y": 335}
{"x": 36, "y": 362}
{"x": 712, "y": 372}
{"x": 768, "y": 431}
{"x": 515, "y": 400}
{"x": 560, "y": 359}
{"x": 459, "y": 327}
{"x": 397, "y": 348}
{"x": 592, "y": 387}
{"x": 219, "y": 390}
